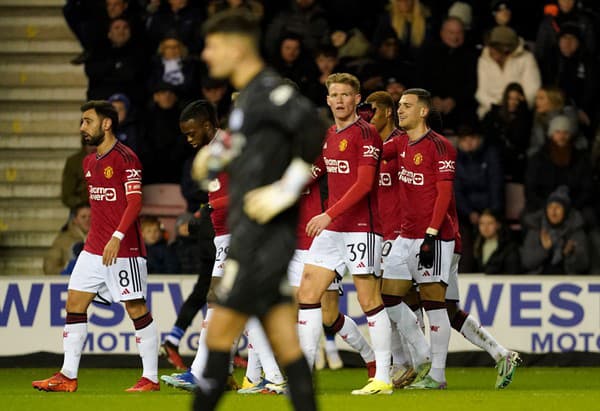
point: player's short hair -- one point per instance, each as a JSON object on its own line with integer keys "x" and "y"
{"x": 234, "y": 21}
{"x": 200, "y": 110}
{"x": 385, "y": 100}
{"x": 104, "y": 109}
{"x": 343, "y": 78}
{"x": 424, "y": 96}
{"x": 149, "y": 220}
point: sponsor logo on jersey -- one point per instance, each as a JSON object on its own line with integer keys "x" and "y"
{"x": 446, "y": 166}
{"x": 315, "y": 170}
{"x": 337, "y": 166}
{"x": 102, "y": 193}
{"x": 418, "y": 158}
{"x": 385, "y": 179}
{"x": 88, "y": 174}
{"x": 410, "y": 177}
{"x": 108, "y": 172}
{"x": 133, "y": 174}
{"x": 343, "y": 145}
{"x": 371, "y": 151}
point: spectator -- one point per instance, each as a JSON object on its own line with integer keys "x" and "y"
{"x": 502, "y": 13}
{"x": 127, "y": 131}
{"x": 82, "y": 17}
{"x": 478, "y": 185}
{"x": 75, "y": 231}
{"x": 558, "y": 163}
{"x": 572, "y": 69}
{"x": 504, "y": 60}
{"x": 217, "y": 93}
{"x": 549, "y": 103}
{"x": 75, "y": 251}
{"x": 409, "y": 21}
{"x": 185, "y": 247}
{"x": 448, "y": 70}
{"x": 350, "y": 44}
{"x": 494, "y": 252}
{"x": 305, "y": 18}
{"x": 253, "y": 6}
{"x": 507, "y": 126}
{"x": 74, "y": 189}
{"x": 395, "y": 87}
{"x": 555, "y": 242}
{"x": 180, "y": 17}
{"x": 117, "y": 69}
{"x": 163, "y": 150}
{"x": 553, "y": 22}
{"x": 326, "y": 61}
{"x": 293, "y": 63}
{"x": 173, "y": 66}
{"x": 159, "y": 258}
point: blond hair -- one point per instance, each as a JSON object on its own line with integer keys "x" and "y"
{"x": 417, "y": 19}
{"x": 555, "y": 95}
{"x": 343, "y": 78}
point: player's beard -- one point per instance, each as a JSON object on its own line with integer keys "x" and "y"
{"x": 94, "y": 140}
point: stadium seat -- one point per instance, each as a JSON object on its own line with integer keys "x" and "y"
{"x": 165, "y": 202}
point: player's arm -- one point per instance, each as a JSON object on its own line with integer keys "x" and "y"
{"x": 218, "y": 203}
{"x": 361, "y": 187}
{"x": 133, "y": 194}
{"x": 390, "y": 149}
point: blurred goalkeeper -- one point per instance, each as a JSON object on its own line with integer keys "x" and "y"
{"x": 276, "y": 135}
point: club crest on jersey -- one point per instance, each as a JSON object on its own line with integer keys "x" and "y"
{"x": 108, "y": 172}
{"x": 418, "y": 158}
{"x": 343, "y": 145}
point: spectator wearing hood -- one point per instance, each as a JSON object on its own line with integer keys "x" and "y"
{"x": 127, "y": 132}
{"x": 505, "y": 60}
{"x": 556, "y": 242}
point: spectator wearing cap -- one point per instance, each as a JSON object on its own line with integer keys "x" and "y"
{"x": 118, "y": 68}
{"x": 558, "y": 163}
{"x": 478, "y": 185}
{"x": 181, "y": 17}
{"x": 556, "y": 17}
{"x": 163, "y": 150}
{"x": 448, "y": 70}
{"x": 575, "y": 71}
{"x": 128, "y": 130}
{"x": 172, "y": 65}
{"x": 555, "y": 240}
{"x": 505, "y": 60}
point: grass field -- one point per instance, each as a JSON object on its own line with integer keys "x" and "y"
{"x": 469, "y": 389}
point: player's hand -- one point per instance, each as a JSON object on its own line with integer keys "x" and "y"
{"x": 264, "y": 203}
{"x": 200, "y": 164}
{"x": 426, "y": 251}
{"x": 317, "y": 224}
{"x": 545, "y": 239}
{"x": 111, "y": 250}
{"x": 569, "y": 247}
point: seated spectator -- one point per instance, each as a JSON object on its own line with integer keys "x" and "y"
{"x": 326, "y": 60}
{"x": 216, "y": 92}
{"x": 74, "y": 189}
{"x": 507, "y": 126}
{"x": 305, "y": 18}
{"x": 556, "y": 17}
{"x": 293, "y": 63}
{"x": 117, "y": 69}
{"x": 163, "y": 149}
{"x": 395, "y": 87}
{"x": 75, "y": 231}
{"x": 447, "y": 69}
{"x": 159, "y": 258}
{"x": 549, "y": 103}
{"x": 186, "y": 247}
{"x": 410, "y": 22}
{"x": 502, "y": 12}
{"x": 173, "y": 66}
{"x": 478, "y": 185}
{"x": 127, "y": 132}
{"x": 555, "y": 241}
{"x": 558, "y": 163}
{"x": 494, "y": 252}
{"x": 253, "y": 6}
{"x": 504, "y": 60}
{"x": 182, "y": 18}
{"x": 573, "y": 70}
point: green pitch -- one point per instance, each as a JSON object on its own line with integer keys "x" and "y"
{"x": 469, "y": 389}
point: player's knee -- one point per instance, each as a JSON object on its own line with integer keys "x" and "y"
{"x": 308, "y": 295}
{"x": 432, "y": 292}
{"x": 136, "y": 308}
{"x": 77, "y": 302}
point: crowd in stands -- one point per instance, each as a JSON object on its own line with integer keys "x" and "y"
{"x": 516, "y": 84}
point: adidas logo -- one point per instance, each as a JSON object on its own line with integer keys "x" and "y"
{"x": 361, "y": 265}
{"x": 88, "y": 174}
{"x": 138, "y": 340}
{"x": 426, "y": 274}
{"x": 371, "y": 323}
{"x": 301, "y": 322}
{"x": 125, "y": 292}
{"x": 434, "y": 328}
{"x": 344, "y": 336}
{"x": 65, "y": 334}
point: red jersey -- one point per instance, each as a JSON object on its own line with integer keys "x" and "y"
{"x": 110, "y": 178}
{"x": 344, "y": 151}
{"x": 390, "y": 203}
{"x": 422, "y": 164}
{"x": 310, "y": 206}
{"x": 218, "y": 189}
{"x": 453, "y": 214}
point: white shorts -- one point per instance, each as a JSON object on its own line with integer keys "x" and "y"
{"x": 360, "y": 253}
{"x": 394, "y": 256}
{"x": 296, "y": 268}
{"x": 222, "y": 247}
{"x": 452, "y": 289}
{"x": 125, "y": 280}
{"x": 442, "y": 261}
